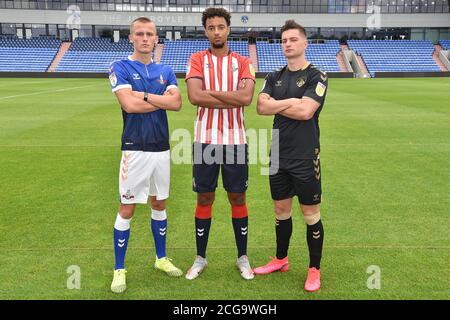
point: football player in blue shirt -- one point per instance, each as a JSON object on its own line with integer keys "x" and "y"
{"x": 145, "y": 90}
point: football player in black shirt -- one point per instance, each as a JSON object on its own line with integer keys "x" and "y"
{"x": 295, "y": 95}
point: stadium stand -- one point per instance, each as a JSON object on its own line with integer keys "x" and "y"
{"x": 93, "y": 55}
{"x": 177, "y": 53}
{"x": 31, "y": 55}
{"x": 270, "y": 55}
{"x": 395, "y": 55}
{"x": 445, "y": 44}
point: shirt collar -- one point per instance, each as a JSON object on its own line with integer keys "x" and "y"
{"x": 131, "y": 59}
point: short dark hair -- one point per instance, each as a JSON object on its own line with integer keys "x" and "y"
{"x": 140, "y": 19}
{"x": 291, "y": 24}
{"x": 216, "y": 12}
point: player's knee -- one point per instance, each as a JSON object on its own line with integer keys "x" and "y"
{"x": 126, "y": 211}
{"x": 312, "y": 218}
{"x": 283, "y": 215}
{"x": 205, "y": 199}
{"x": 236, "y": 199}
{"x": 282, "y": 209}
{"x": 158, "y": 205}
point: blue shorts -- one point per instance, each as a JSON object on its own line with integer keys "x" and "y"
{"x": 209, "y": 159}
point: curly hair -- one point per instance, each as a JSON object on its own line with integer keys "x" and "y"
{"x": 216, "y": 12}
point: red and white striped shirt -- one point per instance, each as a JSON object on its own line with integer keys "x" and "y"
{"x": 220, "y": 126}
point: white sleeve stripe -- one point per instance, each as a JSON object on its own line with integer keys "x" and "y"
{"x": 122, "y": 86}
{"x": 172, "y": 86}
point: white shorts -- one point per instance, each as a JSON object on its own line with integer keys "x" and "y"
{"x": 143, "y": 174}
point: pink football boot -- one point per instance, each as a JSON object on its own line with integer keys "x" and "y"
{"x": 313, "y": 281}
{"x": 281, "y": 265}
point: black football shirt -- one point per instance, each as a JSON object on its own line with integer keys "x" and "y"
{"x": 298, "y": 139}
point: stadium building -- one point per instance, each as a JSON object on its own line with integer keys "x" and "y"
{"x": 347, "y": 36}
{"x": 360, "y": 38}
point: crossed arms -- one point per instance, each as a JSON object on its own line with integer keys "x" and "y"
{"x": 133, "y": 101}
{"x": 294, "y": 108}
{"x": 220, "y": 99}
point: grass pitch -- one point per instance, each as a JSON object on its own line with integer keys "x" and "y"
{"x": 386, "y": 180}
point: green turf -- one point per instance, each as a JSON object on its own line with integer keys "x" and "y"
{"x": 386, "y": 180}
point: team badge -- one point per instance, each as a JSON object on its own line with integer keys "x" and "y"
{"x": 252, "y": 70}
{"x": 113, "y": 79}
{"x": 161, "y": 79}
{"x": 320, "y": 89}
{"x": 323, "y": 76}
{"x": 301, "y": 82}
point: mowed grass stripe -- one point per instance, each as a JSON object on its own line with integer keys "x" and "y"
{"x": 385, "y": 181}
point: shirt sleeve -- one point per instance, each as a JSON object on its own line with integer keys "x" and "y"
{"x": 171, "y": 79}
{"x": 118, "y": 77}
{"x": 316, "y": 87}
{"x": 194, "y": 68}
{"x": 268, "y": 85}
{"x": 247, "y": 70}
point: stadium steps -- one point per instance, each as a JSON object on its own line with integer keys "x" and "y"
{"x": 158, "y": 52}
{"x": 61, "y": 52}
{"x": 363, "y": 66}
{"x": 340, "y": 61}
{"x": 437, "y": 50}
{"x": 253, "y": 55}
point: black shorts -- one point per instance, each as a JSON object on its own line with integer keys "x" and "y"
{"x": 297, "y": 177}
{"x": 209, "y": 159}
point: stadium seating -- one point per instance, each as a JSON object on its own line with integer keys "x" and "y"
{"x": 30, "y": 55}
{"x": 270, "y": 55}
{"x": 177, "y": 53}
{"x": 445, "y": 44}
{"x": 93, "y": 55}
{"x": 395, "y": 55}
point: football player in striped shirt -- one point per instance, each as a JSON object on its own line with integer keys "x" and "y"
{"x": 220, "y": 83}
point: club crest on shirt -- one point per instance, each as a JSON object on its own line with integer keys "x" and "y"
{"x": 161, "y": 79}
{"x": 113, "y": 79}
{"x": 301, "y": 81}
{"x": 320, "y": 89}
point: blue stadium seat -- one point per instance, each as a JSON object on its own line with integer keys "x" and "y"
{"x": 270, "y": 56}
{"x": 93, "y": 54}
{"x": 445, "y": 44}
{"x": 176, "y": 53}
{"x": 395, "y": 55}
{"x": 35, "y": 54}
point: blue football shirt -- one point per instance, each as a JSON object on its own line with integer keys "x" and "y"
{"x": 143, "y": 131}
